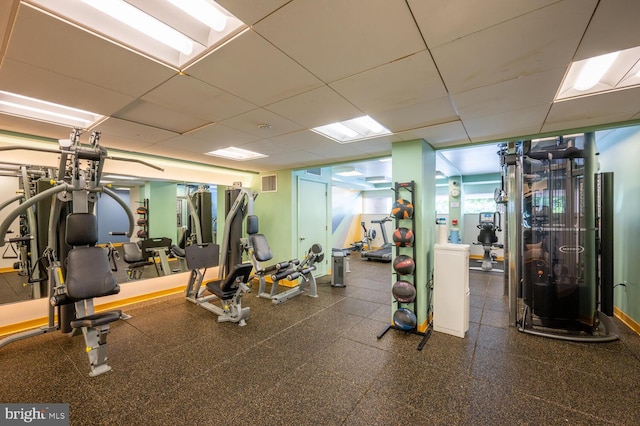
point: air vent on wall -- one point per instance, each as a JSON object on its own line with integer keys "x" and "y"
{"x": 314, "y": 172}
{"x": 269, "y": 183}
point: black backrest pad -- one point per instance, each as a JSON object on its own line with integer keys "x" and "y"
{"x": 89, "y": 273}
{"x": 252, "y": 224}
{"x": 82, "y": 229}
{"x": 261, "y": 249}
{"x": 240, "y": 272}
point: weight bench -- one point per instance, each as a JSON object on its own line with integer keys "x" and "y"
{"x": 228, "y": 290}
{"x": 88, "y": 276}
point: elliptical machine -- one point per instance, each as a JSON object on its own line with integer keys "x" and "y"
{"x": 489, "y": 224}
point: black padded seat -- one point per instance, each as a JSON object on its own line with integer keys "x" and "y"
{"x": 96, "y": 320}
{"x": 226, "y": 288}
{"x": 487, "y": 234}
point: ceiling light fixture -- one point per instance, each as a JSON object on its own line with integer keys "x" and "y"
{"x": 378, "y": 179}
{"x": 593, "y": 70}
{"x": 238, "y": 154}
{"x": 146, "y": 24}
{"x": 36, "y": 109}
{"x": 204, "y": 12}
{"x": 356, "y": 129}
{"x": 601, "y": 74}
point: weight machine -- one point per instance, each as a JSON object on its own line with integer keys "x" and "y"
{"x": 559, "y": 242}
{"x": 77, "y": 270}
{"x": 233, "y": 274}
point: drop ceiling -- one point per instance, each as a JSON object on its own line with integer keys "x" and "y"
{"x": 455, "y": 73}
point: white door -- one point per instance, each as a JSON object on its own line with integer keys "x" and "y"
{"x": 312, "y": 220}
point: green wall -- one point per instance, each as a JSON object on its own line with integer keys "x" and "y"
{"x": 416, "y": 161}
{"x": 276, "y": 212}
{"x": 162, "y": 209}
{"x": 619, "y": 153}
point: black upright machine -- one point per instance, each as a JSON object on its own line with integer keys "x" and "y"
{"x": 382, "y": 254}
{"x": 560, "y": 239}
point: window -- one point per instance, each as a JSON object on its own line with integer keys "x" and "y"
{"x": 477, "y": 203}
{"x": 377, "y": 205}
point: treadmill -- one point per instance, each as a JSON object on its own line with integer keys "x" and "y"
{"x": 382, "y": 254}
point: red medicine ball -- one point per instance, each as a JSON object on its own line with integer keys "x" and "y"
{"x": 404, "y": 264}
{"x": 403, "y": 237}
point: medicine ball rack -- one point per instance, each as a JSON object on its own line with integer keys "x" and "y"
{"x": 410, "y": 188}
{"x": 143, "y": 220}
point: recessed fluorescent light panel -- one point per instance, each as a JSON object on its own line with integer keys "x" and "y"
{"x": 378, "y": 179}
{"x": 353, "y": 130}
{"x": 176, "y": 32}
{"x": 36, "y": 109}
{"x": 603, "y": 73}
{"x": 238, "y": 154}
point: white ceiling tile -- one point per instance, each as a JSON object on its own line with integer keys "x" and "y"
{"x": 150, "y": 114}
{"x": 130, "y": 136}
{"x": 440, "y": 135}
{"x": 253, "y": 69}
{"x": 40, "y": 83}
{"x": 251, "y": 11}
{"x": 8, "y": 11}
{"x": 190, "y": 95}
{"x": 32, "y": 127}
{"x": 614, "y": 26}
{"x": 315, "y": 108}
{"x": 46, "y": 42}
{"x": 444, "y": 21}
{"x": 516, "y": 123}
{"x": 515, "y": 48}
{"x": 596, "y": 110}
{"x": 530, "y": 90}
{"x": 218, "y": 136}
{"x": 253, "y": 122}
{"x": 426, "y": 113}
{"x": 403, "y": 83}
{"x": 338, "y": 38}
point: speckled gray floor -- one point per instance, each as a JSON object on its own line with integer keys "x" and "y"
{"x": 317, "y": 361}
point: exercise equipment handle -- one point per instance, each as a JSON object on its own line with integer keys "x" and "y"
{"x": 4, "y": 226}
{"x": 20, "y": 239}
{"x": 118, "y": 233}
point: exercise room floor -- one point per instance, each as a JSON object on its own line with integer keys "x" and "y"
{"x": 317, "y": 361}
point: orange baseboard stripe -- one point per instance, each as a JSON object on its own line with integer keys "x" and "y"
{"x": 40, "y": 322}
{"x": 630, "y": 322}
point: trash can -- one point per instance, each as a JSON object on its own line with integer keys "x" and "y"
{"x": 338, "y": 270}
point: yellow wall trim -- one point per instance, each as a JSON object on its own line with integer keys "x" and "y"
{"x": 630, "y": 322}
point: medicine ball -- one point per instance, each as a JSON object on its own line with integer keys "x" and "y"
{"x": 141, "y": 210}
{"x": 403, "y": 291}
{"x": 402, "y": 209}
{"x": 404, "y": 264}
{"x": 404, "y": 319}
{"x": 403, "y": 237}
